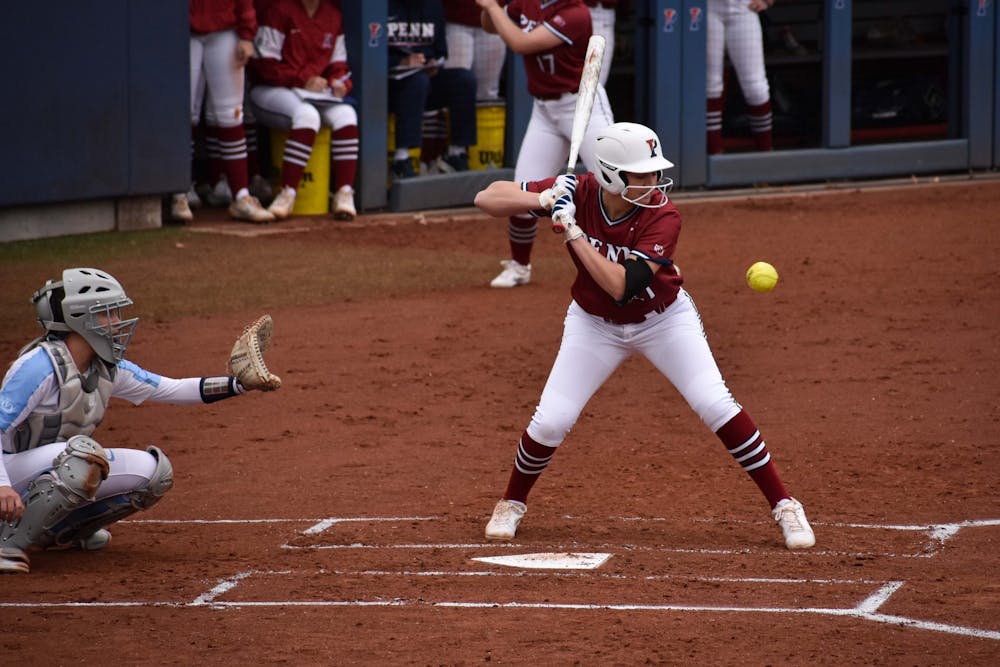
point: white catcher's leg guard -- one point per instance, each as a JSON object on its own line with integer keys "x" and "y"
{"x": 85, "y": 521}
{"x": 77, "y": 473}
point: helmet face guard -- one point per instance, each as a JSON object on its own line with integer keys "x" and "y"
{"x": 630, "y": 148}
{"x": 89, "y": 302}
{"x": 648, "y": 196}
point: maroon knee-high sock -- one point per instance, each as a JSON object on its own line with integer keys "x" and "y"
{"x": 521, "y": 234}
{"x": 233, "y": 150}
{"x": 298, "y": 148}
{"x": 747, "y": 446}
{"x": 344, "y": 155}
{"x": 531, "y": 460}
{"x": 713, "y": 124}
{"x": 253, "y": 152}
{"x": 760, "y": 126}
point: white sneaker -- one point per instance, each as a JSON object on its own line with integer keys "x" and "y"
{"x": 343, "y": 204}
{"x": 220, "y": 194}
{"x": 790, "y": 515}
{"x": 180, "y": 210}
{"x": 261, "y": 188}
{"x": 283, "y": 204}
{"x": 513, "y": 274}
{"x": 506, "y": 518}
{"x": 98, "y": 540}
{"x": 14, "y": 561}
{"x": 248, "y": 208}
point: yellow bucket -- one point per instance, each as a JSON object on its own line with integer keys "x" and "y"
{"x": 313, "y": 194}
{"x": 490, "y": 124}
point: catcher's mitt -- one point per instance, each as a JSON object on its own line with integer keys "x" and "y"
{"x": 246, "y": 361}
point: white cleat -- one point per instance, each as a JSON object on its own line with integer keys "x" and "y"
{"x": 790, "y": 515}
{"x": 506, "y": 518}
{"x": 514, "y": 273}
{"x": 248, "y": 208}
{"x": 343, "y": 204}
{"x": 283, "y": 204}
{"x": 180, "y": 209}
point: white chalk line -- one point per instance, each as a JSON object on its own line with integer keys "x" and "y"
{"x": 867, "y": 609}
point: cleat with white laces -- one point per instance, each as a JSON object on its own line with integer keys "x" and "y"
{"x": 283, "y": 204}
{"x": 790, "y": 515}
{"x": 14, "y": 561}
{"x": 343, "y": 204}
{"x": 248, "y": 208}
{"x": 514, "y": 273}
{"x": 507, "y": 515}
{"x": 180, "y": 209}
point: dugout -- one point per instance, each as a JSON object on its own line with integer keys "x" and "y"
{"x": 98, "y": 131}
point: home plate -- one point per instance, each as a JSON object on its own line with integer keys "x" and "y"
{"x": 549, "y": 561}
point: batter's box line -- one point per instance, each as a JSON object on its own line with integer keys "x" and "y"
{"x": 867, "y": 609}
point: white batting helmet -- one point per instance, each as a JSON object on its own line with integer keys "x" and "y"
{"x": 78, "y": 302}
{"x": 630, "y": 148}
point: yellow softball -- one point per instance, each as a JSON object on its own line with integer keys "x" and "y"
{"x": 762, "y": 277}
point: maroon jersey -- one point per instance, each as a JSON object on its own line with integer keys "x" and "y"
{"x": 552, "y": 73}
{"x": 294, "y": 46}
{"x": 464, "y": 12}
{"x": 209, "y": 16}
{"x": 649, "y": 233}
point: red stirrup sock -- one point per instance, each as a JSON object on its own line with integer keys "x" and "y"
{"x": 747, "y": 446}
{"x": 233, "y": 150}
{"x": 521, "y": 233}
{"x": 760, "y": 126}
{"x": 531, "y": 460}
{"x": 713, "y": 124}
{"x": 298, "y": 148}
{"x": 344, "y": 156}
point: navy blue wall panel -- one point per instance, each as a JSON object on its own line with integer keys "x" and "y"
{"x": 159, "y": 117}
{"x": 93, "y": 92}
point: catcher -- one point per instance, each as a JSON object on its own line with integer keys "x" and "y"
{"x": 59, "y": 488}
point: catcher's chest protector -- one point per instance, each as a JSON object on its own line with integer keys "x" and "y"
{"x": 81, "y": 408}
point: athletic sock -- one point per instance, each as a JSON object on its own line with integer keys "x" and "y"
{"x": 713, "y": 124}
{"x": 298, "y": 148}
{"x": 344, "y": 156}
{"x": 531, "y": 460}
{"x": 745, "y": 443}
{"x": 760, "y": 126}
{"x": 233, "y": 151}
{"x": 521, "y": 234}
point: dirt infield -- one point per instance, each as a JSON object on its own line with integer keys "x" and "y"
{"x": 336, "y": 521}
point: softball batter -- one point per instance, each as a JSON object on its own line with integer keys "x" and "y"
{"x": 552, "y": 36}
{"x": 621, "y": 232}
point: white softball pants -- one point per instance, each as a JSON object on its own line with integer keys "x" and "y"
{"x": 213, "y": 67}
{"x": 545, "y": 147}
{"x": 603, "y": 21}
{"x": 131, "y": 469}
{"x": 674, "y": 341}
{"x": 281, "y": 107}
{"x": 734, "y": 28}
{"x": 473, "y": 48}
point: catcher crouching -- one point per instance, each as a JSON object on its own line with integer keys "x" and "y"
{"x": 59, "y": 487}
